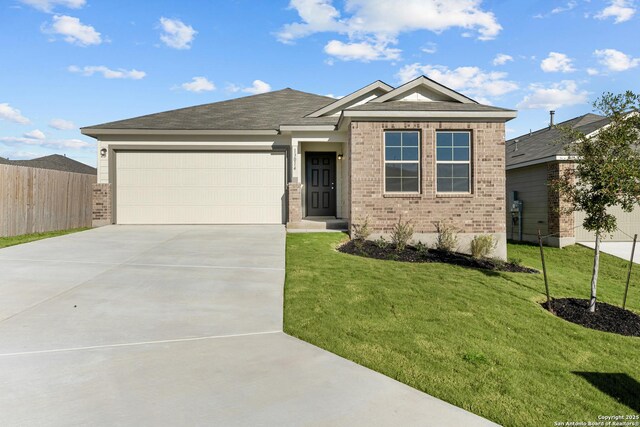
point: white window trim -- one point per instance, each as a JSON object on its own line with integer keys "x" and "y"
{"x": 454, "y": 162}
{"x": 384, "y": 163}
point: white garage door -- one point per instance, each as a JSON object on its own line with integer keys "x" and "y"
{"x": 163, "y": 187}
{"x": 628, "y": 222}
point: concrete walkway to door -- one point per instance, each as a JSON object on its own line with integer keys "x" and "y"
{"x": 176, "y": 325}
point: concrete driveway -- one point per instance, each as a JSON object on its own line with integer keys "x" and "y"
{"x": 176, "y": 325}
{"x": 618, "y": 249}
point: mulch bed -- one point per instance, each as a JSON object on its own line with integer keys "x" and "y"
{"x": 607, "y": 317}
{"x": 370, "y": 249}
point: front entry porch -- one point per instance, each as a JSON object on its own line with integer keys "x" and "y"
{"x": 317, "y": 193}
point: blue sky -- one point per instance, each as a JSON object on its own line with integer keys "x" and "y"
{"x": 73, "y": 63}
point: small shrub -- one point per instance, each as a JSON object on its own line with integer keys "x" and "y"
{"x": 360, "y": 230}
{"x": 422, "y": 249}
{"x": 516, "y": 261}
{"x": 381, "y": 243}
{"x": 482, "y": 246}
{"x": 401, "y": 234}
{"x": 447, "y": 239}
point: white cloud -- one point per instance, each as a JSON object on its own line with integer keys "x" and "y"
{"x": 501, "y": 59}
{"x": 620, "y": 10}
{"x": 49, "y": 5}
{"x": 7, "y": 112}
{"x": 362, "y": 51}
{"x": 378, "y": 23}
{"x": 562, "y": 94}
{"x": 257, "y": 87}
{"x": 108, "y": 73}
{"x": 569, "y": 6}
{"x": 198, "y": 84}
{"x": 557, "y": 62}
{"x": 55, "y": 143}
{"x": 615, "y": 60}
{"x": 471, "y": 81}
{"x": 176, "y": 34}
{"x": 35, "y": 134}
{"x": 430, "y": 48}
{"x": 592, "y": 71}
{"x": 62, "y": 124}
{"x": 317, "y": 16}
{"x": 73, "y": 31}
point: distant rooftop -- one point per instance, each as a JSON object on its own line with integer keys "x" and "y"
{"x": 546, "y": 142}
{"x": 54, "y": 162}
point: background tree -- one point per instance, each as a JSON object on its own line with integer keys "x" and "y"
{"x": 607, "y": 169}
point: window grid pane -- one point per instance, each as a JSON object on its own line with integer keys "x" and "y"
{"x": 453, "y": 157}
{"x": 402, "y": 161}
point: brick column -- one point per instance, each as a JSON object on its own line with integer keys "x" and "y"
{"x": 101, "y": 205}
{"x": 294, "y": 195}
{"x": 561, "y": 223}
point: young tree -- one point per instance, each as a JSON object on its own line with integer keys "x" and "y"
{"x": 607, "y": 169}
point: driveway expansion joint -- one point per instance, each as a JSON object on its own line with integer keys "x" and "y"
{"x": 176, "y": 340}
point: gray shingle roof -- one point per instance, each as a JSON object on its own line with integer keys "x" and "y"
{"x": 266, "y": 111}
{"x": 54, "y": 162}
{"x": 424, "y": 106}
{"x": 546, "y": 142}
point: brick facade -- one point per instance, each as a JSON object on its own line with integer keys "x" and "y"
{"x": 481, "y": 212}
{"x": 101, "y": 205}
{"x": 294, "y": 198}
{"x": 561, "y": 223}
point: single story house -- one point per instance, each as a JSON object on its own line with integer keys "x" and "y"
{"x": 421, "y": 152}
{"x": 533, "y": 161}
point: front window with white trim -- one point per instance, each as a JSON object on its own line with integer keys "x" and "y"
{"x": 401, "y": 161}
{"x": 453, "y": 162}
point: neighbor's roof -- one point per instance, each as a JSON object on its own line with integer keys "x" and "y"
{"x": 54, "y": 162}
{"x": 546, "y": 143}
{"x": 266, "y": 111}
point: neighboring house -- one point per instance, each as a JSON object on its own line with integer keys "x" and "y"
{"x": 533, "y": 161}
{"x": 55, "y": 162}
{"x": 420, "y": 152}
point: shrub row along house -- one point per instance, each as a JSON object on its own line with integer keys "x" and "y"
{"x": 533, "y": 161}
{"x": 421, "y": 152}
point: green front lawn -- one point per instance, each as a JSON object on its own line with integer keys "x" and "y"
{"x": 25, "y": 238}
{"x": 474, "y": 338}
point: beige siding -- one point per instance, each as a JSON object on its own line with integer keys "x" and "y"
{"x": 160, "y": 187}
{"x": 531, "y": 185}
{"x": 628, "y": 222}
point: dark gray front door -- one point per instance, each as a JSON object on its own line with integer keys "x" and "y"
{"x": 321, "y": 184}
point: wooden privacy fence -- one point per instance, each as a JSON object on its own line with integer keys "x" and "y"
{"x": 35, "y": 200}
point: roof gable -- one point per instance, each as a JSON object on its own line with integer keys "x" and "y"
{"x": 359, "y": 97}
{"x": 423, "y": 89}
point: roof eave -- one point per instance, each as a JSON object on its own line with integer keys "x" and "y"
{"x": 96, "y": 132}
{"x": 540, "y": 161}
{"x": 443, "y": 115}
{"x": 293, "y": 128}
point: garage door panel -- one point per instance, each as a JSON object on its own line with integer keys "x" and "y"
{"x": 198, "y": 196}
{"x": 628, "y": 224}
{"x": 228, "y": 177}
{"x": 200, "y": 187}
